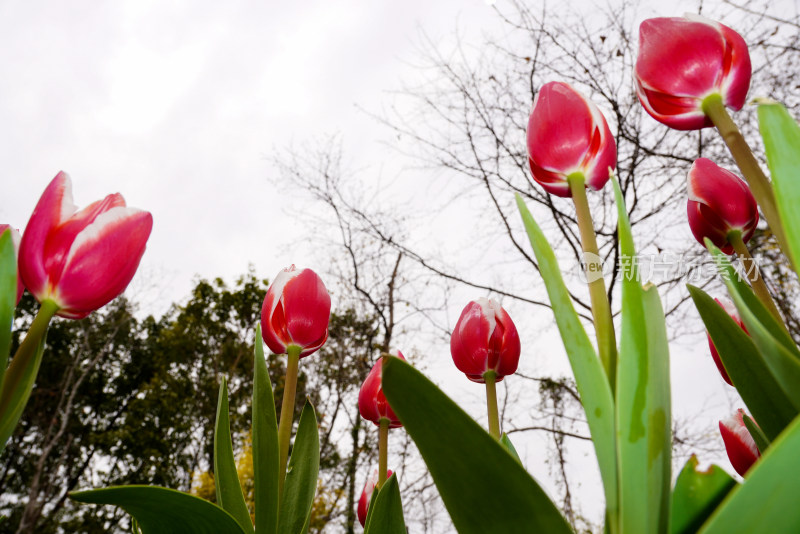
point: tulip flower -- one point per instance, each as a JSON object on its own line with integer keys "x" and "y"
{"x": 366, "y": 496}
{"x": 372, "y": 403}
{"x": 719, "y": 202}
{"x": 728, "y": 306}
{"x": 684, "y": 60}
{"x": 294, "y": 321}
{"x": 15, "y": 237}
{"x": 81, "y": 260}
{"x": 739, "y": 444}
{"x": 296, "y": 312}
{"x": 567, "y": 135}
{"x": 485, "y": 339}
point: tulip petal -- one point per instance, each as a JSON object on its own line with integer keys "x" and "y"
{"x": 307, "y": 307}
{"x": 102, "y": 260}
{"x": 681, "y": 57}
{"x": 739, "y": 444}
{"x": 54, "y": 206}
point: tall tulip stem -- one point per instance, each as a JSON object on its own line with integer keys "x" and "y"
{"x": 753, "y": 275}
{"x": 383, "y": 451}
{"x": 601, "y": 309}
{"x": 287, "y": 412}
{"x": 21, "y": 374}
{"x": 759, "y": 184}
{"x": 490, "y": 377}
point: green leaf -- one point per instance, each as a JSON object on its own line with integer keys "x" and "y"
{"x": 762, "y": 442}
{"x": 386, "y": 516}
{"x": 697, "y": 494}
{"x": 160, "y": 510}
{"x": 643, "y": 396}
{"x": 779, "y": 352}
{"x": 8, "y": 297}
{"x": 767, "y": 502}
{"x": 226, "y": 479}
{"x": 746, "y": 367}
{"x": 590, "y": 378}
{"x": 265, "y": 444}
{"x": 301, "y": 477}
{"x": 506, "y": 442}
{"x": 781, "y": 136}
{"x": 481, "y": 484}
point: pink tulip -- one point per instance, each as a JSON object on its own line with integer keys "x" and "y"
{"x": 81, "y": 260}
{"x": 366, "y": 496}
{"x": 729, "y": 307}
{"x": 739, "y": 444}
{"x": 684, "y": 60}
{"x": 567, "y": 135}
{"x": 372, "y": 403}
{"x": 296, "y": 311}
{"x": 719, "y": 202}
{"x": 15, "y": 237}
{"x": 485, "y": 339}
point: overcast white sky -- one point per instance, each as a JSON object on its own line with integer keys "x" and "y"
{"x": 178, "y": 105}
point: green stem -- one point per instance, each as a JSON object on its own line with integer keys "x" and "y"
{"x": 20, "y": 376}
{"x": 491, "y": 403}
{"x": 383, "y": 452}
{"x": 287, "y": 412}
{"x": 759, "y": 184}
{"x": 601, "y": 309}
{"x": 19, "y": 364}
{"x": 753, "y": 274}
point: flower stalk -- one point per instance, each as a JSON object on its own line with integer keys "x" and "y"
{"x": 287, "y": 411}
{"x": 383, "y": 451}
{"x": 601, "y": 309}
{"x": 491, "y": 404}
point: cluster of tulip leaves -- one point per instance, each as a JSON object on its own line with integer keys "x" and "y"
{"x": 486, "y": 489}
{"x": 157, "y": 509}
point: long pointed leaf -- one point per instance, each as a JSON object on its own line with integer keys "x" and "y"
{"x": 301, "y": 477}
{"x": 643, "y": 402}
{"x": 767, "y": 502}
{"x": 781, "y": 136}
{"x": 590, "y": 378}
{"x": 697, "y": 494}
{"x": 781, "y": 355}
{"x": 266, "y": 464}
{"x": 226, "y": 479}
{"x": 160, "y": 510}
{"x": 8, "y": 297}
{"x": 387, "y": 513}
{"x": 481, "y": 484}
{"x": 745, "y": 365}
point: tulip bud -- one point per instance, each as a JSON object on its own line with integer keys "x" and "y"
{"x": 567, "y": 134}
{"x": 739, "y": 444}
{"x": 719, "y": 202}
{"x": 81, "y": 260}
{"x": 372, "y": 403}
{"x": 684, "y": 60}
{"x": 296, "y": 311}
{"x": 734, "y": 313}
{"x": 485, "y": 339}
{"x": 15, "y": 238}
{"x": 366, "y": 496}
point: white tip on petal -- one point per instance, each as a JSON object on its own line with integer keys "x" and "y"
{"x": 95, "y": 230}
{"x": 489, "y": 309}
{"x": 68, "y": 207}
